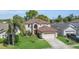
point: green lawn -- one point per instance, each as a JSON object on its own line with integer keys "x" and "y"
{"x": 2, "y": 47}
{"x": 31, "y": 42}
{"x": 76, "y": 47}
{"x": 65, "y": 40}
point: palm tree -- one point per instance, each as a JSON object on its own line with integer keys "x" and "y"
{"x": 11, "y": 34}
{"x": 19, "y": 22}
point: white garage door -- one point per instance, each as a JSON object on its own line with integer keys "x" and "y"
{"x": 48, "y": 36}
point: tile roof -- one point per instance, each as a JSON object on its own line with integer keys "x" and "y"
{"x": 39, "y": 21}
{"x": 46, "y": 29}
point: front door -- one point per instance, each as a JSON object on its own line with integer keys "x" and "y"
{"x": 35, "y": 29}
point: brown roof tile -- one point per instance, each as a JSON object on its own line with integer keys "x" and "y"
{"x": 39, "y": 21}
{"x": 46, "y": 29}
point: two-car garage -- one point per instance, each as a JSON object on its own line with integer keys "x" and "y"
{"x": 48, "y": 32}
{"x": 49, "y": 36}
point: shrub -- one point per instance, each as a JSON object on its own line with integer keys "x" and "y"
{"x": 67, "y": 40}
{"x": 39, "y": 35}
{"x": 28, "y": 33}
{"x": 32, "y": 40}
{"x": 1, "y": 40}
{"x": 16, "y": 38}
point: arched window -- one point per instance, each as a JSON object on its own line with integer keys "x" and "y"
{"x": 35, "y": 26}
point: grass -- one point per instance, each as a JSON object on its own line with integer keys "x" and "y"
{"x": 65, "y": 40}
{"x": 2, "y": 47}
{"x": 6, "y": 47}
{"x": 1, "y": 40}
{"x": 31, "y": 42}
{"x": 77, "y": 47}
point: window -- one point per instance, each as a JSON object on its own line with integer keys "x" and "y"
{"x": 35, "y": 26}
{"x": 70, "y": 31}
{"x": 28, "y": 25}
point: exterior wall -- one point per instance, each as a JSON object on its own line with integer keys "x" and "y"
{"x": 69, "y": 30}
{"x": 48, "y": 36}
{"x": 56, "y": 34}
{"x": 41, "y": 25}
{"x": 32, "y": 25}
{"x": 3, "y": 35}
{"x": 77, "y": 32}
{"x": 28, "y": 28}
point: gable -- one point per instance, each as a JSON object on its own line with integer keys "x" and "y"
{"x": 69, "y": 29}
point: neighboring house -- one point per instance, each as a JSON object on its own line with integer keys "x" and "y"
{"x": 3, "y": 30}
{"x": 38, "y": 25}
{"x": 64, "y": 28}
{"x": 76, "y": 26}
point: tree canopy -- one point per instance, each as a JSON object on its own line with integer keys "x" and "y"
{"x": 59, "y": 19}
{"x": 11, "y": 33}
{"x": 68, "y": 18}
{"x": 31, "y": 14}
{"x": 34, "y": 14}
{"x": 43, "y": 17}
{"x": 19, "y": 21}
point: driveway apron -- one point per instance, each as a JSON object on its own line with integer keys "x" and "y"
{"x": 57, "y": 44}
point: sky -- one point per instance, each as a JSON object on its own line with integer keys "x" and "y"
{"x": 4, "y": 14}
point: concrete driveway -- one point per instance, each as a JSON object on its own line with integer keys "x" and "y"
{"x": 56, "y": 44}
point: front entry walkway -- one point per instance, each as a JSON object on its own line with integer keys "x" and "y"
{"x": 56, "y": 44}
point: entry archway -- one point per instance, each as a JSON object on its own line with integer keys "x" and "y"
{"x": 35, "y": 28}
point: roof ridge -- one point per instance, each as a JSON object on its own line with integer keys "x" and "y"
{"x": 36, "y": 21}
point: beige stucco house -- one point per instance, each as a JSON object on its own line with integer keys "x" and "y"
{"x": 38, "y": 25}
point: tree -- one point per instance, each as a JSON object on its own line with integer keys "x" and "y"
{"x": 18, "y": 19}
{"x": 19, "y": 22}
{"x": 66, "y": 19}
{"x": 59, "y": 19}
{"x": 76, "y": 17}
{"x": 43, "y": 17}
{"x": 11, "y": 34}
{"x": 51, "y": 20}
{"x": 31, "y": 14}
{"x": 72, "y": 17}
